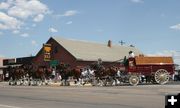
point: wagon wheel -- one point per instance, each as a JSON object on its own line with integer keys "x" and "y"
{"x": 161, "y": 76}
{"x": 134, "y": 80}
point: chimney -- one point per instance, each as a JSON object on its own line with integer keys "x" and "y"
{"x": 109, "y": 43}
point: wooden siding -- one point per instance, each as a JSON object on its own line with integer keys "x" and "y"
{"x": 153, "y": 60}
{"x": 58, "y": 53}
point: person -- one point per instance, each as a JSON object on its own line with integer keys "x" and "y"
{"x": 131, "y": 54}
{"x": 7, "y": 75}
{"x": 53, "y": 73}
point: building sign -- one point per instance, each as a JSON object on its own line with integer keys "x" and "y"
{"x": 11, "y": 61}
{"x": 17, "y": 61}
{"x": 47, "y": 52}
{"x": 54, "y": 62}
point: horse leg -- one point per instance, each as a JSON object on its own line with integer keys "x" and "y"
{"x": 82, "y": 81}
{"x": 15, "y": 83}
{"x": 10, "y": 81}
{"x": 29, "y": 81}
{"x": 79, "y": 81}
{"x": 67, "y": 82}
{"x": 20, "y": 80}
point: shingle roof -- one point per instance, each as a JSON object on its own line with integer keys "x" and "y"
{"x": 91, "y": 51}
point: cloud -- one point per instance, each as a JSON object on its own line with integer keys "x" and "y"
{"x": 7, "y": 22}
{"x": 28, "y": 8}
{"x": 69, "y": 22}
{"x": 70, "y": 13}
{"x": 16, "y": 12}
{"x": 34, "y": 43}
{"x": 39, "y": 18}
{"x": 137, "y": 1}
{"x": 4, "y": 5}
{"x": 24, "y": 35}
{"x": 16, "y": 32}
{"x": 52, "y": 30}
{"x": 175, "y": 27}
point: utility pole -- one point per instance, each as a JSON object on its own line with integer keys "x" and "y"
{"x": 122, "y": 42}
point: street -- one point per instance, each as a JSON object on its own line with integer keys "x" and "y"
{"x": 141, "y": 96}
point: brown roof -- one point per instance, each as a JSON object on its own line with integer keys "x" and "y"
{"x": 92, "y": 51}
{"x": 153, "y": 60}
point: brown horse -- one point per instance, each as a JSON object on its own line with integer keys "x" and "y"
{"x": 76, "y": 73}
{"x": 100, "y": 73}
{"x": 99, "y": 70}
{"x": 111, "y": 73}
{"x": 104, "y": 76}
{"x": 65, "y": 71}
{"x": 17, "y": 74}
{"x": 38, "y": 74}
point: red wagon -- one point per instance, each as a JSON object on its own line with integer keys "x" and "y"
{"x": 158, "y": 69}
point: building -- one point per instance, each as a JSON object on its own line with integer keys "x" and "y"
{"x": 81, "y": 53}
{"x": 1, "y": 69}
{"x": 13, "y": 62}
{"x": 17, "y": 61}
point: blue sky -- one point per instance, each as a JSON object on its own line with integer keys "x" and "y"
{"x": 153, "y": 26}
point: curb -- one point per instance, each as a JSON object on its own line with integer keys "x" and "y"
{"x": 71, "y": 84}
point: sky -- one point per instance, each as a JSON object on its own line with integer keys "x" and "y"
{"x": 153, "y": 26}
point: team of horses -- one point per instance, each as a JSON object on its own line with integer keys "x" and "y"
{"x": 28, "y": 75}
{"x": 94, "y": 74}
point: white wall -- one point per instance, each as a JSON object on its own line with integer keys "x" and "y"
{"x": 1, "y": 62}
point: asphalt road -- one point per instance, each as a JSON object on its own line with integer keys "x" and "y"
{"x": 142, "y": 96}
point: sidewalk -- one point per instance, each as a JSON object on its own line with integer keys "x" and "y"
{"x": 71, "y": 84}
{"x": 4, "y": 83}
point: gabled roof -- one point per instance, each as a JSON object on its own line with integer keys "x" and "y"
{"x": 91, "y": 51}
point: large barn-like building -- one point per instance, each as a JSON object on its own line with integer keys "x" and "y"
{"x": 81, "y": 53}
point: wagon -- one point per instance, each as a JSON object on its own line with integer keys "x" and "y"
{"x": 156, "y": 69}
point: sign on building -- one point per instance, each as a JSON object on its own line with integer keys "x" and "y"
{"x": 54, "y": 62}
{"x": 47, "y": 52}
{"x": 12, "y": 60}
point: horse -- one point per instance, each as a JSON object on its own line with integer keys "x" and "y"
{"x": 38, "y": 74}
{"x": 65, "y": 71}
{"x": 100, "y": 73}
{"x": 87, "y": 76}
{"x": 17, "y": 74}
{"x": 76, "y": 74}
{"x": 111, "y": 73}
